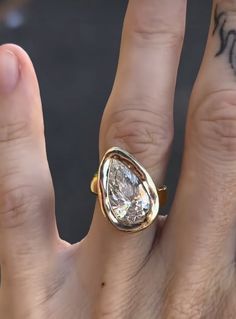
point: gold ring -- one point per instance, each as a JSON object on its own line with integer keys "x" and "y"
{"x": 127, "y": 194}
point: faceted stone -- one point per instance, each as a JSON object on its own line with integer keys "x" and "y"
{"x": 129, "y": 200}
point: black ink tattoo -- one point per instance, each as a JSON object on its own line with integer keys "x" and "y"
{"x": 227, "y": 37}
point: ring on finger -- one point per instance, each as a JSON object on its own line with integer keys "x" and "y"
{"x": 127, "y": 194}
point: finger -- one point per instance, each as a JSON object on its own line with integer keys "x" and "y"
{"x": 27, "y": 224}
{"x": 203, "y": 218}
{"x": 139, "y": 115}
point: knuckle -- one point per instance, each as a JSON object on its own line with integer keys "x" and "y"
{"x": 160, "y": 37}
{"x": 21, "y": 204}
{"x": 13, "y": 131}
{"x": 141, "y": 131}
{"x": 145, "y": 25}
{"x": 213, "y": 125}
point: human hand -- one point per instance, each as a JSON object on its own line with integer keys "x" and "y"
{"x": 183, "y": 268}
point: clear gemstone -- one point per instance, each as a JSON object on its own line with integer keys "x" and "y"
{"x": 129, "y": 200}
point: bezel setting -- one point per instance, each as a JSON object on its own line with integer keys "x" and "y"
{"x": 103, "y": 189}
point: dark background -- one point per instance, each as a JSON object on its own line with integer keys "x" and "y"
{"x": 74, "y": 45}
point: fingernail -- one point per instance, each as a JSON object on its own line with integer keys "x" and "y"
{"x": 9, "y": 71}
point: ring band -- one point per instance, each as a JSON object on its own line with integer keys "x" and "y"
{"x": 127, "y": 194}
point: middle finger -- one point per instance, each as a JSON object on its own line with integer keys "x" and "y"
{"x": 138, "y": 118}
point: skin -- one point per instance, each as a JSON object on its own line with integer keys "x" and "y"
{"x": 180, "y": 268}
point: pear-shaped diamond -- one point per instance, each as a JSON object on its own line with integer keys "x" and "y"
{"x": 128, "y": 198}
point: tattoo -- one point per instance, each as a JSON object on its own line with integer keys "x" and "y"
{"x": 227, "y": 37}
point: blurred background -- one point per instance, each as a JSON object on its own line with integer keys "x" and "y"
{"x": 74, "y": 45}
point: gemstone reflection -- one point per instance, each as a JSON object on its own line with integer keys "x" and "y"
{"x": 128, "y": 199}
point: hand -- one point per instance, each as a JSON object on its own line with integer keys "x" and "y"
{"x": 180, "y": 269}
